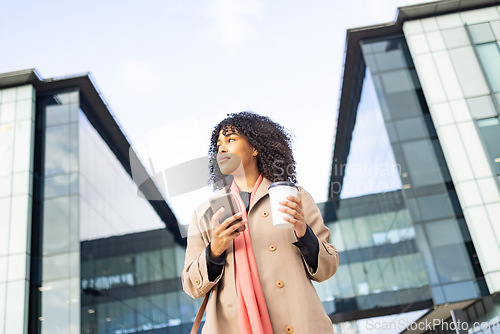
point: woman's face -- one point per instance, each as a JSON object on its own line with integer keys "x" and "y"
{"x": 235, "y": 155}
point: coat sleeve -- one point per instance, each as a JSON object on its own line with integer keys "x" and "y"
{"x": 195, "y": 281}
{"x": 328, "y": 258}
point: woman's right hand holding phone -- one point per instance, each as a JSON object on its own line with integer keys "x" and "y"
{"x": 223, "y": 234}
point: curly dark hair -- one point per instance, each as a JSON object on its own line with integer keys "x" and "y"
{"x": 273, "y": 142}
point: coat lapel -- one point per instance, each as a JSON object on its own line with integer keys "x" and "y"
{"x": 261, "y": 192}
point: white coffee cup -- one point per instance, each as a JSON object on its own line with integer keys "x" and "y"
{"x": 278, "y": 191}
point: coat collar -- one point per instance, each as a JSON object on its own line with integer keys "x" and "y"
{"x": 259, "y": 194}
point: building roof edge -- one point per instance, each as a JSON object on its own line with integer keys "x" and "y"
{"x": 104, "y": 121}
{"x": 351, "y": 76}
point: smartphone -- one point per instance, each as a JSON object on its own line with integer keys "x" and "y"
{"x": 228, "y": 202}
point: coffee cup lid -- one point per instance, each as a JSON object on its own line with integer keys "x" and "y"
{"x": 282, "y": 183}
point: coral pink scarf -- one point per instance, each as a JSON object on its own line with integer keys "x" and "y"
{"x": 253, "y": 316}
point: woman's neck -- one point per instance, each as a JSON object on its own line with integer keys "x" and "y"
{"x": 246, "y": 182}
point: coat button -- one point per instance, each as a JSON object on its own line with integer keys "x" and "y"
{"x": 279, "y": 284}
{"x": 289, "y": 329}
{"x": 197, "y": 282}
{"x": 265, "y": 214}
{"x": 272, "y": 248}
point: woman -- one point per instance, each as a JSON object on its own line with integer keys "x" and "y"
{"x": 260, "y": 278}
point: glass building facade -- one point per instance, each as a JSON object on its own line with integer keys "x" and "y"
{"x": 456, "y": 56}
{"x": 419, "y": 101}
{"x": 17, "y": 133}
{"x": 81, "y": 251}
{"x": 382, "y": 270}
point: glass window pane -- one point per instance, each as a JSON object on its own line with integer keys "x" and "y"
{"x": 382, "y": 175}
{"x": 359, "y": 272}
{"x": 403, "y": 105}
{"x": 56, "y": 156}
{"x": 489, "y": 55}
{"x": 452, "y": 263}
{"x": 63, "y": 98}
{"x": 57, "y": 114}
{"x": 390, "y": 60}
{"x": 435, "y": 206}
{"x": 336, "y": 237}
{"x": 371, "y": 63}
{"x": 397, "y": 81}
{"x": 489, "y": 129}
{"x": 423, "y": 166}
{"x": 350, "y": 238}
{"x": 481, "y": 107}
{"x": 481, "y": 33}
{"x": 56, "y": 227}
{"x": 443, "y": 232}
{"x": 56, "y": 186}
{"x": 363, "y": 233}
{"x": 412, "y": 128}
{"x": 379, "y": 46}
{"x": 169, "y": 269}
{"x": 55, "y": 266}
{"x": 461, "y": 291}
{"x": 73, "y": 144}
{"x": 55, "y": 314}
{"x": 388, "y": 274}
{"x": 497, "y": 98}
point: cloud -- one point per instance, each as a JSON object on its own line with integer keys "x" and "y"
{"x": 232, "y": 18}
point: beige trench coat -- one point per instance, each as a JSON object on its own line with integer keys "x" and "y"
{"x": 292, "y": 301}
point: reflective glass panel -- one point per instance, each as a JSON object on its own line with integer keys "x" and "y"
{"x": 481, "y": 33}
{"x": 481, "y": 107}
{"x": 489, "y": 55}
{"x": 490, "y": 133}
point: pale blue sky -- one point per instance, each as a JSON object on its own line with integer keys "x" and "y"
{"x": 162, "y": 62}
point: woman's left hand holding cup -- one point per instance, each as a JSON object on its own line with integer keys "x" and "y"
{"x": 293, "y": 207}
